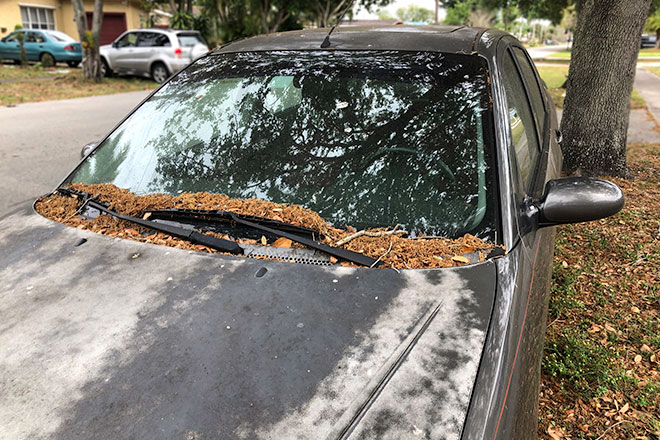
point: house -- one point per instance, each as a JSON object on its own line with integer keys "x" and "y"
{"x": 118, "y": 16}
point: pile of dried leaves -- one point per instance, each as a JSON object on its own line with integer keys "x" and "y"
{"x": 601, "y": 376}
{"x": 394, "y": 250}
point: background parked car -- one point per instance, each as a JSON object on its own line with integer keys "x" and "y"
{"x": 157, "y": 53}
{"x": 41, "y": 44}
{"x": 648, "y": 41}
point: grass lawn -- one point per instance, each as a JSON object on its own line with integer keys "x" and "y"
{"x": 67, "y": 83}
{"x": 554, "y": 77}
{"x": 643, "y": 53}
{"x": 600, "y": 376}
{"x": 653, "y": 69}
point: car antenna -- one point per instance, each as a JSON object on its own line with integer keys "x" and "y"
{"x": 326, "y": 40}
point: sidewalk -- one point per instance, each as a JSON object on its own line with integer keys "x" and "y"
{"x": 648, "y": 86}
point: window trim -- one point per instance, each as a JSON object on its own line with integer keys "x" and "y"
{"x": 49, "y": 12}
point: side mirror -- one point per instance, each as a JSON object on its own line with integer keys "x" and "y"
{"x": 87, "y": 149}
{"x": 578, "y": 199}
{"x": 114, "y": 44}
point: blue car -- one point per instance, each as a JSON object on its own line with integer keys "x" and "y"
{"x": 39, "y": 44}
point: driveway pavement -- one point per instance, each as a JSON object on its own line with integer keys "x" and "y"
{"x": 40, "y": 142}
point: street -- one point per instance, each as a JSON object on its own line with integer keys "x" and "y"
{"x": 41, "y": 142}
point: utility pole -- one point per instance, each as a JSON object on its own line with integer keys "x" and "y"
{"x": 437, "y": 7}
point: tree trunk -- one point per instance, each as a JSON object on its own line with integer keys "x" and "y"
{"x": 91, "y": 61}
{"x": 657, "y": 38}
{"x": 600, "y": 81}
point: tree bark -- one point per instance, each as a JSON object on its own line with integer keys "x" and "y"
{"x": 657, "y": 38}
{"x": 600, "y": 81}
{"x": 91, "y": 60}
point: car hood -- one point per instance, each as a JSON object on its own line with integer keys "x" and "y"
{"x": 114, "y": 338}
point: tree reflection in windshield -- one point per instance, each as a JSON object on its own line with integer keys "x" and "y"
{"x": 363, "y": 138}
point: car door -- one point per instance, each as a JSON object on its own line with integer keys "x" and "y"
{"x": 124, "y": 52}
{"x": 34, "y": 45}
{"x": 528, "y": 126}
{"x": 10, "y": 47}
{"x": 145, "y": 50}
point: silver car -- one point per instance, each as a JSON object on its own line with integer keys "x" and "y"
{"x": 158, "y": 53}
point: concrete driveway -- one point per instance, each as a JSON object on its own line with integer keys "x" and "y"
{"x": 40, "y": 142}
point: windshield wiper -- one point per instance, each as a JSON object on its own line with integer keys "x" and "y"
{"x": 186, "y": 233}
{"x": 219, "y": 244}
{"x": 274, "y": 227}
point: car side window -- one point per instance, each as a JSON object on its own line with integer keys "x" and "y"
{"x": 145, "y": 39}
{"x": 34, "y": 37}
{"x": 521, "y": 120}
{"x": 12, "y": 38}
{"x": 152, "y": 39}
{"x": 533, "y": 86}
{"x": 162, "y": 40}
{"x": 128, "y": 40}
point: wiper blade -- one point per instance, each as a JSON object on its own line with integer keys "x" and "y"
{"x": 281, "y": 229}
{"x": 220, "y": 215}
{"x": 187, "y": 234}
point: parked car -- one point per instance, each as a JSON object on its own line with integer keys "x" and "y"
{"x": 443, "y": 130}
{"x": 40, "y": 44}
{"x": 648, "y": 40}
{"x": 157, "y": 53}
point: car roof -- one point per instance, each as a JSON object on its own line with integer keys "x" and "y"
{"x": 452, "y": 39}
{"x": 165, "y": 30}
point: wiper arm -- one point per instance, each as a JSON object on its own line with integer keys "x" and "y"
{"x": 265, "y": 225}
{"x": 190, "y": 235}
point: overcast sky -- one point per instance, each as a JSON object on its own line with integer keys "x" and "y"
{"x": 362, "y": 14}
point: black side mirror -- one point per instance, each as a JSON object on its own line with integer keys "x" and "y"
{"x": 578, "y": 199}
{"x": 87, "y": 149}
{"x": 115, "y": 44}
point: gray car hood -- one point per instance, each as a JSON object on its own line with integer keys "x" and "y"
{"x": 120, "y": 339}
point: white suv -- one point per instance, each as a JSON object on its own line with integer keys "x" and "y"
{"x": 157, "y": 53}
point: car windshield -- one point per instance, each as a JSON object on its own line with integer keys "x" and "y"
{"x": 189, "y": 39}
{"x": 366, "y": 139}
{"x": 60, "y": 36}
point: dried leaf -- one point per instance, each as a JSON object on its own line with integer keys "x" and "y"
{"x": 634, "y": 309}
{"x": 264, "y": 241}
{"x": 646, "y": 348}
{"x": 333, "y": 260}
{"x": 460, "y": 259}
{"x": 624, "y": 408}
{"x": 638, "y": 358}
{"x": 281, "y": 242}
{"x": 555, "y": 432}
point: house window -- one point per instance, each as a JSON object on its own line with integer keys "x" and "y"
{"x": 37, "y": 18}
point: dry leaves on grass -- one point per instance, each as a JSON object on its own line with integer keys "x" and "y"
{"x": 393, "y": 250}
{"x": 601, "y": 366}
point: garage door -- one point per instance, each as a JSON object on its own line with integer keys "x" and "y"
{"x": 114, "y": 23}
